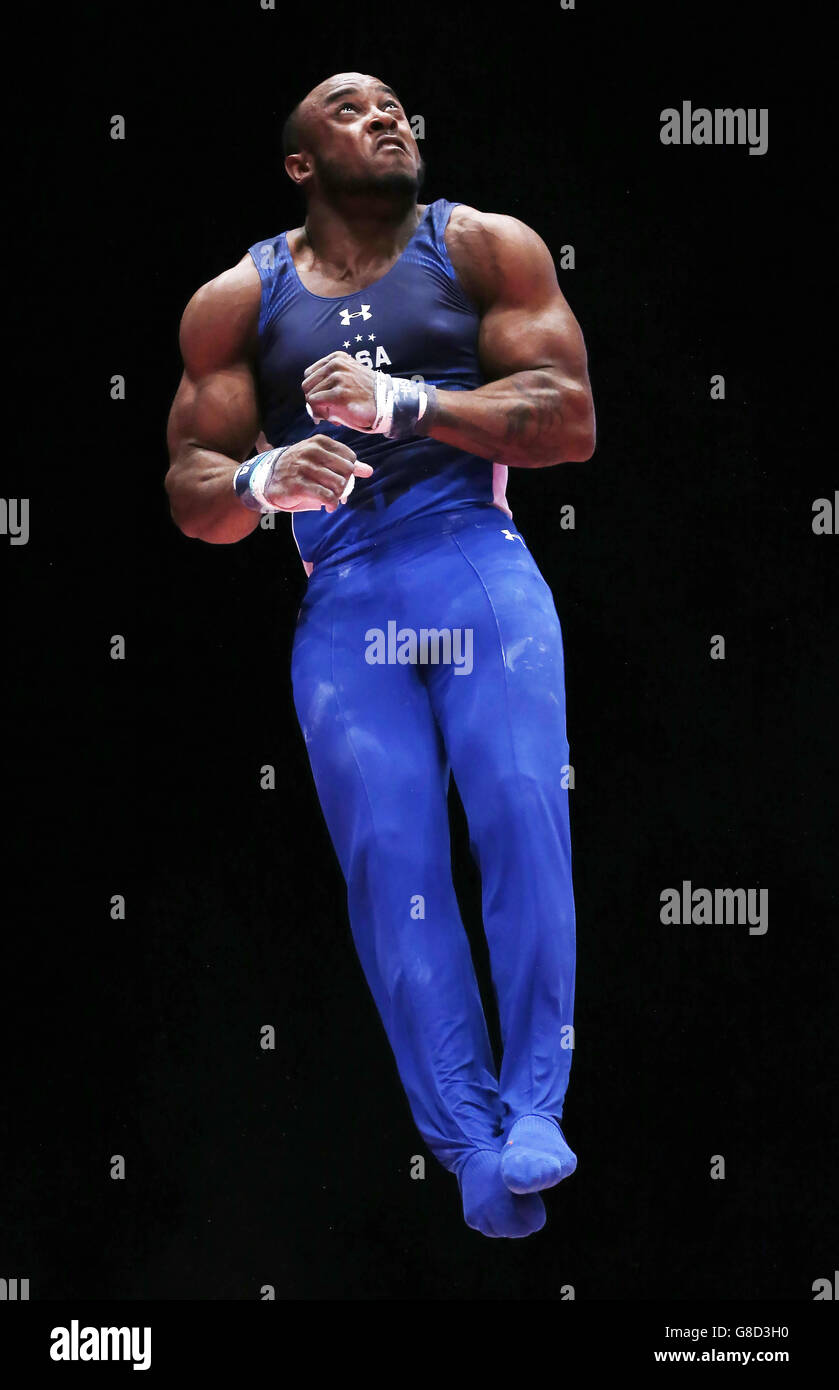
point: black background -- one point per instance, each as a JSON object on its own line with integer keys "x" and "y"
{"x": 138, "y": 777}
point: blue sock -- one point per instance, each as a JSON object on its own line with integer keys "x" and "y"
{"x": 488, "y": 1204}
{"x": 535, "y": 1155}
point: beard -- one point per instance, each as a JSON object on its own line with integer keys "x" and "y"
{"x": 334, "y": 179}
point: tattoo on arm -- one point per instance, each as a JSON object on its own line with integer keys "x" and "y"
{"x": 528, "y": 411}
{"x": 538, "y": 412}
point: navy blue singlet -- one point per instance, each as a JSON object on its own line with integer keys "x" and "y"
{"x": 415, "y": 320}
{"x": 421, "y": 547}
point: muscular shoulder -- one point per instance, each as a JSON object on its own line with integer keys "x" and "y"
{"x": 496, "y": 255}
{"x": 221, "y": 321}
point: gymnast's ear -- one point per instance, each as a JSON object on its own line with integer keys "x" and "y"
{"x": 299, "y": 167}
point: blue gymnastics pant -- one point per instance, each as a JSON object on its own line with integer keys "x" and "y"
{"x": 384, "y": 736}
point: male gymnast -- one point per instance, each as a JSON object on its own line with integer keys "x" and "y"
{"x": 391, "y": 360}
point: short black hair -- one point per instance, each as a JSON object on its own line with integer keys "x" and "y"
{"x": 292, "y": 138}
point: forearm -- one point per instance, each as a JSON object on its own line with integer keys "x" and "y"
{"x": 202, "y": 501}
{"x": 531, "y": 419}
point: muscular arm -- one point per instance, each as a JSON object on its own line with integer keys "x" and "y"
{"x": 214, "y": 418}
{"x": 537, "y": 408}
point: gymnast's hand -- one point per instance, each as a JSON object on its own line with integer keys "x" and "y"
{"x": 314, "y": 473}
{"x": 340, "y": 390}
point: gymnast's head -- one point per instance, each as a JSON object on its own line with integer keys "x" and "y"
{"x": 349, "y": 139}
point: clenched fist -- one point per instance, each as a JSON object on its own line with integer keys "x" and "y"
{"x": 341, "y": 390}
{"x": 317, "y": 472}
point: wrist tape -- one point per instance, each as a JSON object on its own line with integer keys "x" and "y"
{"x": 400, "y": 405}
{"x": 253, "y": 477}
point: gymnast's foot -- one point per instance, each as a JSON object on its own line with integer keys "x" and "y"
{"x": 535, "y": 1155}
{"x": 488, "y": 1204}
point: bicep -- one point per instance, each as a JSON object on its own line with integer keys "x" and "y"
{"x": 528, "y": 323}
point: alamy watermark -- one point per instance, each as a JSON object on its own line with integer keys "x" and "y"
{"x": 408, "y": 646}
{"x": 12, "y": 1290}
{"x": 81, "y": 1343}
{"x": 14, "y": 519}
{"x": 716, "y": 907}
{"x": 724, "y": 125}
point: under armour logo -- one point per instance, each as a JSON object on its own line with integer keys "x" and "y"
{"x": 362, "y": 313}
{"x": 512, "y": 536}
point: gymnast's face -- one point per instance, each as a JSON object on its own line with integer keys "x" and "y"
{"x": 356, "y": 138}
